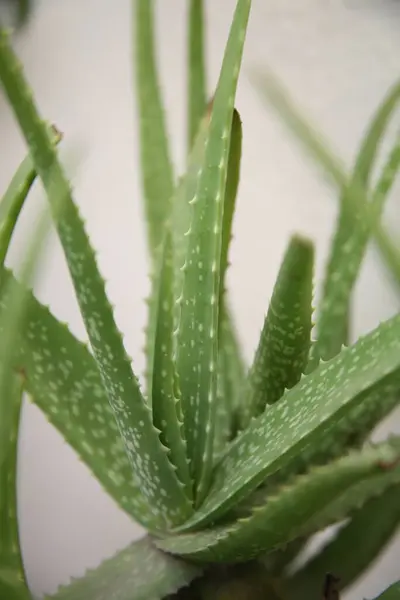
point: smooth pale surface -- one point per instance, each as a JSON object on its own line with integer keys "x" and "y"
{"x": 338, "y": 60}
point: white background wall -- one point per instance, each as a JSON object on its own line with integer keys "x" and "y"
{"x": 338, "y": 58}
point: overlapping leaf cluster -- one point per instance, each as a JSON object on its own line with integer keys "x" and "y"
{"x": 221, "y": 462}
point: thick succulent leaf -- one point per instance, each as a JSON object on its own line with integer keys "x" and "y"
{"x": 353, "y": 230}
{"x": 286, "y": 512}
{"x": 354, "y": 547}
{"x": 13, "y": 200}
{"x": 148, "y": 456}
{"x": 197, "y": 93}
{"x": 230, "y": 369}
{"x": 197, "y": 351}
{"x": 140, "y": 572}
{"x": 284, "y": 345}
{"x": 391, "y": 593}
{"x": 310, "y": 413}
{"x": 12, "y": 575}
{"x": 166, "y": 402}
{"x": 62, "y": 378}
{"x": 156, "y": 164}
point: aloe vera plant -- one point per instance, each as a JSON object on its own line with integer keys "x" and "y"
{"x": 231, "y": 468}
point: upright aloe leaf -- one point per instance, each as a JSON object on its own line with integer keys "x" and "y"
{"x": 198, "y": 327}
{"x": 231, "y": 370}
{"x": 354, "y": 229}
{"x": 309, "y": 414}
{"x": 375, "y": 524}
{"x": 61, "y": 377}
{"x": 12, "y": 575}
{"x": 282, "y": 353}
{"x": 166, "y": 401}
{"x": 140, "y": 572}
{"x": 13, "y": 200}
{"x": 287, "y": 512}
{"x": 156, "y": 164}
{"x": 197, "y": 93}
{"x": 153, "y": 472}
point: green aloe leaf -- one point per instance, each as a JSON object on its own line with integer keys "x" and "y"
{"x": 391, "y": 593}
{"x": 286, "y": 513}
{"x": 166, "y": 401}
{"x": 284, "y": 345}
{"x": 156, "y": 165}
{"x": 12, "y": 575}
{"x": 231, "y": 369}
{"x": 353, "y": 231}
{"x": 147, "y": 455}
{"x": 197, "y": 351}
{"x": 354, "y": 547}
{"x": 140, "y": 572}
{"x": 13, "y": 200}
{"x": 197, "y": 94}
{"x": 312, "y": 412}
{"x": 62, "y": 378}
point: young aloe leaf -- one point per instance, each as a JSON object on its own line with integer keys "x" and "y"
{"x": 285, "y": 514}
{"x": 147, "y": 455}
{"x": 156, "y": 164}
{"x": 307, "y": 415}
{"x": 284, "y": 345}
{"x": 166, "y": 401}
{"x": 61, "y": 377}
{"x": 230, "y": 370}
{"x": 13, "y": 200}
{"x": 353, "y": 549}
{"x": 140, "y": 572}
{"x": 197, "y": 351}
{"x": 197, "y": 93}
{"x": 391, "y": 593}
{"x": 12, "y": 575}
{"x": 353, "y": 231}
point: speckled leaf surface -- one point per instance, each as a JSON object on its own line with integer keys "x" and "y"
{"x": 156, "y": 164}
{"x": 140, "y": 572}
{"x": 286, "y": 511}
{"x": 197, "y": 93}
{"x": 61, "y": 377}
{"x": 198, "y": 326}
{"x": 309, "y": 413}
{"x": 166, "y": 401}
{"x": 354, "y": 547}
{"x": 282, "y": 353}
{"x": 146, "y": 453}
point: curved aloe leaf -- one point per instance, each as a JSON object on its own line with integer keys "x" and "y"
{"x": 140, "y": 572}
{"x": 307, "y": 415}
{"x": 284, "y": 345}
{"x": 286, "y": 512}
{"x": 156, "y": 164}
{"x": 166, "y": 401}
{"x": 13, "y": 200}
{"x": 353, "y": 549}
{"x": 62, "y": 378}
{"x": 148, "y": 457}
{"x": 197, "y": 351}
{"x": 197, "y": 93}
{"x": 391, "y": 593}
